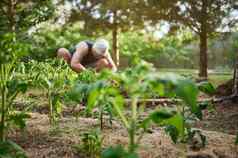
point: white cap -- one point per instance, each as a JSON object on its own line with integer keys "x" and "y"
{"x": 101, "y": 46}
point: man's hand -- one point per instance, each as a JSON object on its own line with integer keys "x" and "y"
{"x": 111, "y": 63}
{"x": 78, "y": 67}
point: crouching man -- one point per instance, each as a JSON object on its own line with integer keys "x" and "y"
{"x": 87, "y": 54}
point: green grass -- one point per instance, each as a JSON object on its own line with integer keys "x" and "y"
{"x": 215, "y": 77}
{"x": 219, "y": 79}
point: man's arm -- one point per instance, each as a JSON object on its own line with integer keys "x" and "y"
{"x": 81, "y": 50}
{"x": 112, "y": 65}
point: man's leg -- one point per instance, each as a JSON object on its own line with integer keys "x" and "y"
{"x": 65, "y": 54}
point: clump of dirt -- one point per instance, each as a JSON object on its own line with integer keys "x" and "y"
{"x": 223, "y": 117}
{"x": 224, "y": 89}
{"x": 40, "y": 141}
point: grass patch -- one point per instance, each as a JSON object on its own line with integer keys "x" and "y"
{"x": 214, "y": 76}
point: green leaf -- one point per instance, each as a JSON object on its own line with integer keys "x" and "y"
{"x": 56, "y": 103}
{"x": 92, "y": 99}
{"x": 160, "y": 89}
{"x": 145, "y": 123}
{"x": 15, "y": 86}
{"x": 117, "y": 152}
{"x": 206, "y": 87}
{"x": 78, "y": 92}
{"x": 114, "y": 152}
{"x": 173, "y": 133}
{"x": 173, "y": 122}
{"x": 188, "y": 92}
{"x": 161, "y": 115}
{"x": 19, "y": 119}
{"x": 11, "y": 49}
{"x": 9, "y": 149}
{"x": 176, "y": 121}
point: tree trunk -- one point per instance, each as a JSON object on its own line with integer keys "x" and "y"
{"x": 12, "y": 15}
{"x": 235, "y": 80}
{"x": 234, "y": 96}
{"x": 203, "y": 43}
{"x": 115, "y": 52}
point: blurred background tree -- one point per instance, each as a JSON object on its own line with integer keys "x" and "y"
{"x": 203, "y": 17}
{"x": 20, "y": 15}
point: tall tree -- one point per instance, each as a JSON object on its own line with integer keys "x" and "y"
{"x": 235, "y": 75}
{"x": 204, "y": 17}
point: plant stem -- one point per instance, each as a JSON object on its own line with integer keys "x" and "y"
{"x": 134, "y": 109}
{"x": 51, "y": 108}
{"x": 131, "y": 132}
{"x": 122, "y": 116}
{"x": 101, "y": 117}
{"x": 3, "y": 94}
{"x": 132, "y": 128}
{"x": 3, "y": 116}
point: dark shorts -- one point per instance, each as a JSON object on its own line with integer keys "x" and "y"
{"x": 72, "y": 51}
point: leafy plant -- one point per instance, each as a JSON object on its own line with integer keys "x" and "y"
{"x": 95, "y": 95}
{"x": 54, "y": 77}
{"x": 11, "y": 149}
{"x": 10, "y": 86}
{"x": 91, "y": 144}
{"x": 206, "y": 87}
{"x": 118, "y": 152}
{"x": 140, "y": 82}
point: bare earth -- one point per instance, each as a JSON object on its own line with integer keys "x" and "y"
{"x": 41, "y": 142}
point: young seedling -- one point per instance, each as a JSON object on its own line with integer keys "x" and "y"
{"x": 53, "y": 78}
{"x": 91, "y": 144}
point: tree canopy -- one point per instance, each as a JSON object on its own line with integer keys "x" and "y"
{"x": 19, "y": 15}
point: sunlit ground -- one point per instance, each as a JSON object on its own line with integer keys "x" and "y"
{"x": 215, "y": 77}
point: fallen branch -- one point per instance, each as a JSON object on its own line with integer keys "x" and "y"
{"x": 175, "y": 100}
{"x": 162, "y": 100}
{"x": 226, "y": 98}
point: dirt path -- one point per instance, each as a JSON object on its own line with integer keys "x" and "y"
{"x": 40, "y": 143}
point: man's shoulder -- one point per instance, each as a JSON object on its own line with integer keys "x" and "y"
{"x": 82, "y": 45}
{"x": 83, "y": 48}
